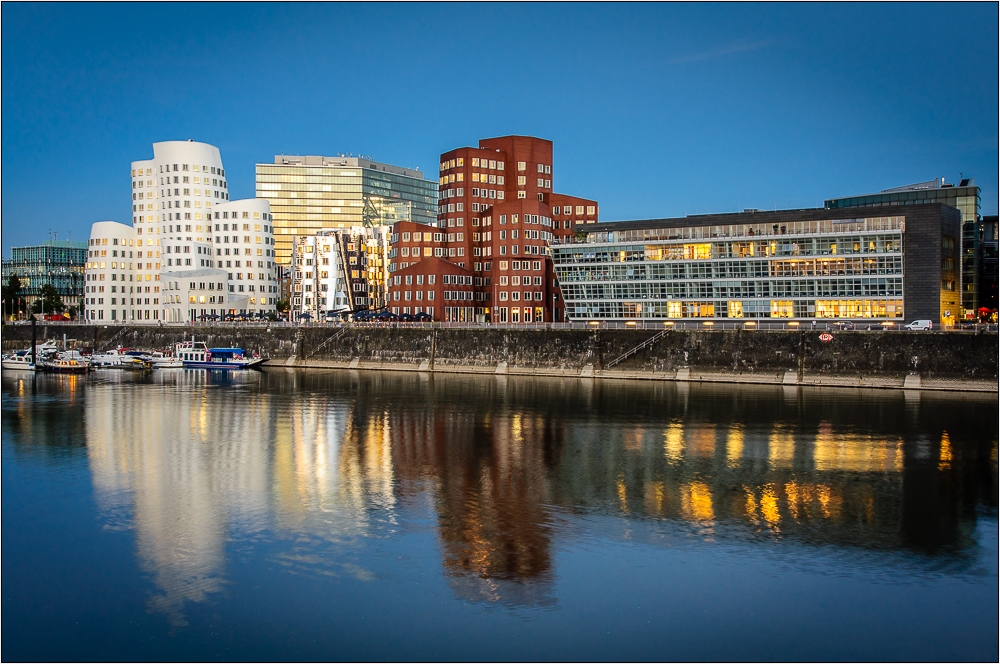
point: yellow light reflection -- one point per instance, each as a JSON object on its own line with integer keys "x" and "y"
{"x": 829, "y": 502}
{"x": 853, "y": 452}
{"x": 622, "y": 497}
{"x": 781, "y": 447}
{"x": 769, "y": 506}
{"x": 696, "y": 502}
{"x": 794, "y": 497}
{"x": 673, "y": 442}
{"x": 945, "y": 457}
{"x": 734, "y": 445}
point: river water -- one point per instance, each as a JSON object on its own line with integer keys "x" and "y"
{"x": 303, "y": 515}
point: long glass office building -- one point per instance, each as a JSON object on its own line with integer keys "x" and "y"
{"x": 789, "y": 264}
{"x": 311, "y": 193}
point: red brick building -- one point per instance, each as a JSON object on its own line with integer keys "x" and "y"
{"x": 497, "y": 215}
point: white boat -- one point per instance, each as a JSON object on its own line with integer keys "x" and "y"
{"x": 162, "y": 360}
{"x": 21, "y": 360}
{"x": 121, "y": 358}
{"x": 196, "y": 355}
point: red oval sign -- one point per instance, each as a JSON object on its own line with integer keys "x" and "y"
{"x": 826, "y": 337}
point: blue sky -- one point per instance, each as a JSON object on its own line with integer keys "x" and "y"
{"x": 655, "y": 109}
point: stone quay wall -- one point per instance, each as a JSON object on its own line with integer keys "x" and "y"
{"x": 911, "y": 360}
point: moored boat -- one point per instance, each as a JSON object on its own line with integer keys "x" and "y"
{"x": 121, "y": 358}
{"x": 68, "y": 361}
{"x": 22, "y": 361}
{"x": 19, "y": 361}
{"x": 161, "y": 360}
{"x": 197, "y": 355}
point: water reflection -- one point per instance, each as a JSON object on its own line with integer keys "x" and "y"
{"x": 318, "y": 464}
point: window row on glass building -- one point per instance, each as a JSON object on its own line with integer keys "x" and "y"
{"x": 793, "y": 264}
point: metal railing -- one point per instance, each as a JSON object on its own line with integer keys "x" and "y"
{"x": 762, "y": 325}
{"x": 632, "y": 351}
{"x": 329, "y": 340}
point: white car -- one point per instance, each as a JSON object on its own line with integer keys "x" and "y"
{"x": 920, "y": 325}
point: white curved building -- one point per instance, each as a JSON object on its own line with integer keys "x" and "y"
{"x": 244, "y": 247}
{"x": 180, "y": 204}
{"x": 109, "y": 279}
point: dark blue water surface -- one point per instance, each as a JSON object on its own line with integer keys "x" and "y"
{"x": 372, "y": 516}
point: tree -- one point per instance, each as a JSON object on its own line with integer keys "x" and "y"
{"x": 13, "y": 298}
{"x": 50, "y": 298}
{"x": 282, "y": 305}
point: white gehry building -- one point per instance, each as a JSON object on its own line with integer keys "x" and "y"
{"x": 189, "y": 251}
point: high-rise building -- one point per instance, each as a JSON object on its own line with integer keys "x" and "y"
{"x": 190, "y": 252}
{"x": 497, "y": 216}
{"x": 311, "y": 193}
{"x": 966, "y": 197}
{"x": 339, "y": 271}
{"x": 59, "y": 263}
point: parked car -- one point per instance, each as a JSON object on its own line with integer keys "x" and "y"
{"x": 922, "y": 324}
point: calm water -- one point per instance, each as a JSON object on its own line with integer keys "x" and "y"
{"x": 339, "y": 515}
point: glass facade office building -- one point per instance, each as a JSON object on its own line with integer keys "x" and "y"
{"x": 56, "y": 262}
{"x": 966, "y": 197}
{"x": 309, "y": 194}
{"x": 792, "y": 264}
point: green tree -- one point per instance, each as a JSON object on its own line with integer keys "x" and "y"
{"x": 13, "y": 298}
{"x": 50, "y": 298}
{"x": 282, "y": 305}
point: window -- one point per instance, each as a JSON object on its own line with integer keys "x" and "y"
{"x": 522, "y": 166}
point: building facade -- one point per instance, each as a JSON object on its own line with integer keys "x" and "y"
{"x": 59, "y": 263}
{"x": 312, "y": 193}
{"x": 966, "y": 197}
{"x": 815, "y": 264}
{"x": 497, "y": 218}
{"x": 989, "y": 270}
{"x": 340, "y": 271}
{"x": 190, "y": 252}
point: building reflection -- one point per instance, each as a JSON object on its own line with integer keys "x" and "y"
{"x": 182, "y": 467}
{"x": 320, "y": 463}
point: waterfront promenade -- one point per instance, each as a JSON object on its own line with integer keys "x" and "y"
{"x": 964, "y": 361}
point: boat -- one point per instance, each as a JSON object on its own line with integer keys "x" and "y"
{"x": 19, "y": 361}
{"x": 68, "y": 361}
{"x": 161, "y": 360}
{"x": 22, "y": 361}
{"x": 121, "y": 358}
{"x": 197, "y": 355}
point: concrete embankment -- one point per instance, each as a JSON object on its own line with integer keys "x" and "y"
{"x": 908, "y": 360}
